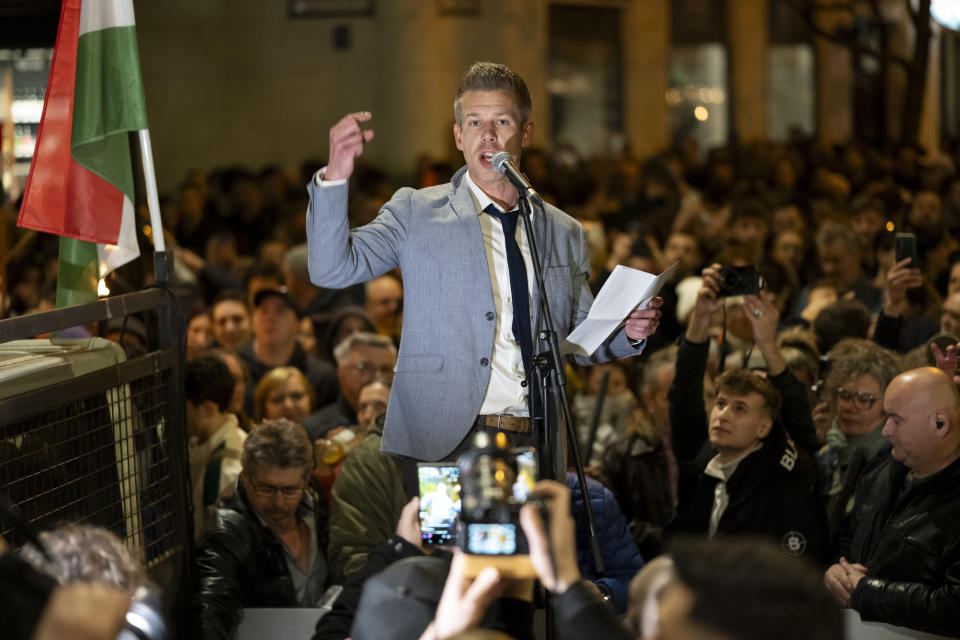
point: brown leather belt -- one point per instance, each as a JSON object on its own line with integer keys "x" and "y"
{"x": 516, "y": 424}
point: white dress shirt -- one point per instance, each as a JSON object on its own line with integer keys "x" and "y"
{"x": 505, "y": 395}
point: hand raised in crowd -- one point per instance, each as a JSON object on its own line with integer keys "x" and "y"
{"x": 656, "y": 251}
{"x": 464, "y": 600}
{"x": 764, "y": 320}
{"x": 619, "y": 250}
{"x": 948, "y": 361}
{"x": 842, "y": 578}
{"x": 707, "y": 303}
{"x": 554, "y": 555}
{"x": 408, "y": 527}
{"x": 900, "y": 278}
{"x": 822, "y": 419}
{"x": 346, "y": 144}
{"x": 643, "y": 323}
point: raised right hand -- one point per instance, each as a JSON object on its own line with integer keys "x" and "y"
{"x": 900, "y": 278}
{"x": 553, "y": 554}
{"x": 707, "y": 299}
{"x": 706, "y": 304}
{"x": 346, "y": 144}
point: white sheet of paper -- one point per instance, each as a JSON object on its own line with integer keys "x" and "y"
{"x": 625, "y": 290}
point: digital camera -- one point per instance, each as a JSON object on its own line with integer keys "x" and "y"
{"x": 739, "y": 281}
{"x": 495, "y": 483}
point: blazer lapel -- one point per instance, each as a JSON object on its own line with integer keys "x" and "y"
{"x": 465, "y": 209}
{"x": 545, "y": 247}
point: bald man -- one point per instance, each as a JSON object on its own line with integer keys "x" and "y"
{"x": 903, "y": 563}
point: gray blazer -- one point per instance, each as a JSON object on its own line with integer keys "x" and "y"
{"x": 434, "y": 236}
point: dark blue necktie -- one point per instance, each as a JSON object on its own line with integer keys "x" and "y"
{"x": 518, "y": 284}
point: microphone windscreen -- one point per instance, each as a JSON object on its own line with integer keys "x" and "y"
{"x": 499, "y": 160}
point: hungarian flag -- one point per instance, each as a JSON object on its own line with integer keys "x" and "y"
{"x": 81, "y": 181}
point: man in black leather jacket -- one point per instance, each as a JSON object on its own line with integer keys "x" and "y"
{"x": 267, "y": 544}
{"x": 902, "y": 565}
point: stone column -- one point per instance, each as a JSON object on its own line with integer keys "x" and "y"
{"x": 834, "y": 85}
{"x": 748, "y": 50}
{"x": 646, "y": 42}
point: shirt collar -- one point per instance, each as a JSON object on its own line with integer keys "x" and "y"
{"x": 481, "y": 199}
{"x": 724, "y": 470}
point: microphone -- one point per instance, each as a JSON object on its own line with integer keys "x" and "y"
{"x": 503, "y": 163}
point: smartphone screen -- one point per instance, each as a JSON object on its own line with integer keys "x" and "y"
{"x": 906, "y": 244}
{"x": 492, "y": 539}
{"x": 526, "y": 474}
{"x": 439, "y": 502}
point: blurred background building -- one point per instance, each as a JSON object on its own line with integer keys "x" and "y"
{"x": 259, "y": 82}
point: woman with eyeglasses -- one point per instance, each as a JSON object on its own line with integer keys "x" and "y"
{"x": 283, "y": 392}
{"x": 859, "y": 373}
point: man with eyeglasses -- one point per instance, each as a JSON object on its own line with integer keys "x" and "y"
{"x": 266, "y": 545}
{"x": 361, "y": 357}
{"x": 902, "y": 561}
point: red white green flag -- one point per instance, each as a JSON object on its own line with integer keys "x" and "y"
{"x": 81, "y": 183}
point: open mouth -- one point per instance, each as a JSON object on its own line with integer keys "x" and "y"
{"x": 487, "y": 156}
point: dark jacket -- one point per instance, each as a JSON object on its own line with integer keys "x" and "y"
{"x": 336, "y": 625}
{"x": 580, "y": 614}
{"x": 902, "y": 335}
{"x": 638, "y": 474}
{"x": 240, "y": 563}
{"x": 365, "y": 504}
{"x": 321, "y": 374}
{"x": 619, "y": 552}
{"x": 909, "y": 539}
{"x": 336, "y": 414}
{"x": 773, "y": 490}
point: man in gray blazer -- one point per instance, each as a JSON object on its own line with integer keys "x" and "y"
{"x": 462, "y": 353}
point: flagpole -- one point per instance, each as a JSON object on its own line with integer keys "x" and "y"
{"x": 162, "y": 260}
{"x": 150, "y": 180}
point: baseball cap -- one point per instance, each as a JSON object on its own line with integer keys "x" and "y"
{"x": 263, "y": 294}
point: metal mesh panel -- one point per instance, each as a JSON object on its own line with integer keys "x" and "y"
{"x": 105, "y": 458}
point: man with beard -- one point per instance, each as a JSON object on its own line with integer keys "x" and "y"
{"x": 934, "y": 245}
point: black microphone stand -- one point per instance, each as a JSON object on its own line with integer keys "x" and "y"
{"x": 550, "y": 384}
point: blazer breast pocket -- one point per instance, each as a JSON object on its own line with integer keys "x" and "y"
{"x": 427, "y": 363}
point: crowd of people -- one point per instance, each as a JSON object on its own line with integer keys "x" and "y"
{"x": 807, "y": 427}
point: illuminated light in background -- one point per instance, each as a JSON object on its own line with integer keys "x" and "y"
{"x": 707, "y": 95}
{"x": 102, "y": 289}
{"x": 946, "y": 12}
{"x": 890, "y": 225}
{"x": 701, "y": 114}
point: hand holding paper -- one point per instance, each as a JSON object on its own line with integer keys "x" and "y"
{"x": 642, "y": 323}
{"x": 626, "y": 291}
